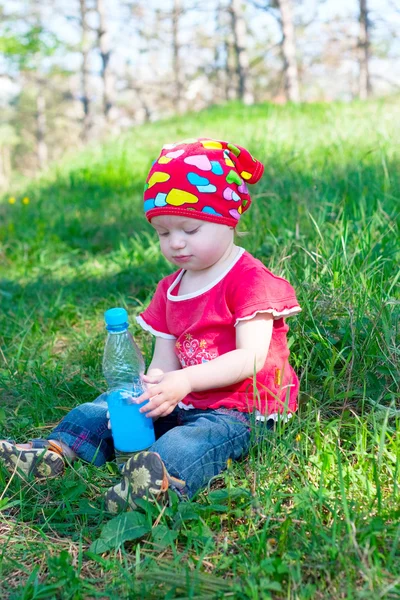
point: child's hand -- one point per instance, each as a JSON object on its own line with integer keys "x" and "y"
{"x": 164, "y": 392}
{"x": 153, "y": 376}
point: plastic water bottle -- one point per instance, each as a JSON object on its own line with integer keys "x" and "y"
{"x": 123, "y": 367}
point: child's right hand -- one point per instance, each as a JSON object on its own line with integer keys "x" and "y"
{"x": 155, "y": 374}
{"x": 164, "y": 393}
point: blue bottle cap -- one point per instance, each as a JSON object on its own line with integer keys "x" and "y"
{"x": 116, "y": 317}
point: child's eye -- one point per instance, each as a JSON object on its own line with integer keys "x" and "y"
{"x": 163, "y": 234}
{"x": 192, "y": 231}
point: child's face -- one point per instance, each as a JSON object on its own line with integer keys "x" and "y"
{"x": 191, "y": 243}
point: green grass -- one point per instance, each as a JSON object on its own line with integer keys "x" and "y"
{"x": 313, "y": 512}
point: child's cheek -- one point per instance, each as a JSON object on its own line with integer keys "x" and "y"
{"x": 164, "y": 246}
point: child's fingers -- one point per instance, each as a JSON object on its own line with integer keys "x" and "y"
{"x": 166, "y": 412}
{"x": 140, "y": 399}
{"x": 153, "y": 378}
{"x": 154, "y": 390}
{"x": 151, "y": 408}
{"x": 155, "y": 372}
{"x": 161, "y": 411}
{"x": 152, "y": 403}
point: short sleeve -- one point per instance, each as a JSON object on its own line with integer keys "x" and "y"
{"x": 154, "y": 318}
{"x": 260, "y": 291}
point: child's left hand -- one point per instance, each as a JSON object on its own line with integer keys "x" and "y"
{"x": 167, "y": 389}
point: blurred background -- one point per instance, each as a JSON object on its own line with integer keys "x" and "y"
{"x": 74, "y": 72}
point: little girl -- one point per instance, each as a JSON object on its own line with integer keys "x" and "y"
{"x": 220, "y": 352}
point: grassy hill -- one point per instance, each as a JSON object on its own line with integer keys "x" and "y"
{"x": 313, "y": 512}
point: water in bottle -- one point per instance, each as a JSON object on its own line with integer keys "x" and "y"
{"x": 123, "y": 367}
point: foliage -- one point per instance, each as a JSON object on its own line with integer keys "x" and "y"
{"x": 313, "y": 511}
{"x": 23, "y": 49}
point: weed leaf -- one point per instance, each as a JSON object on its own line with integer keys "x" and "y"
{"x": 123, "y": 528}
{"x": 163, "y": 537}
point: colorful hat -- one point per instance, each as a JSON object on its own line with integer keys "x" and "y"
{"x": 201, "y": 179}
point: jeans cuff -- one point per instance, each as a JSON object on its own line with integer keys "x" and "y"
{"x": 87, "y": 445}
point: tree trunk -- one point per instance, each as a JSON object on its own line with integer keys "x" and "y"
{"x": 105, "y": 53}
{"x": 364, "y": 83}
{"x": 86, "y": 120}
{"x": 135, "y": 86}
{"x": 41, "y": 146}
{"x": 244, "y": 92}
{"x": 289, "y": 51}
{"x": 219, "y": 78}
{"x": 40, "y": 83}
{"x": 5, "y": 166}
{"x": 176, "y": 58}
{"x": 230, "y": 72}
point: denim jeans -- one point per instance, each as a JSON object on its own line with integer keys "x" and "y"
{"x": 194, "y": 445}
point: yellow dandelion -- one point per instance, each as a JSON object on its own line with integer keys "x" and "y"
{"x": 229, "y": 463}
{"x": 298, "y": 437}
{"x": 11, "y": 200}
{"x": 25, "y": 200}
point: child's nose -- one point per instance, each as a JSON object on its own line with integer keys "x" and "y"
{"x": 177, "y": 241}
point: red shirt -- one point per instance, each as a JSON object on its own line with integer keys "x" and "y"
{"x": 203, "y": 324}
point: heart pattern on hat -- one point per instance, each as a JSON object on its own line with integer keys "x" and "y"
{"x": 201, "y": 161}
{"x": 234, "y": 149}
{"x": 210, "y": 211}
{"x": 158, "y": 177}
{"x": 217, "y": 168}
{"x": 230, "y": 194}
{"x": 203, "y": 178}
{"x": 178, "y": 197}
{"x": 207, "y": 189}
{"x": 202, "y": 183}
{"x": 160, "y": 199}
{"x": 233, "y": 177}
{"x": 234, "y": 213}
{"x": 196, "y": 179}
{"x": 175, "y": 154}
{"x": 211, "y": 144}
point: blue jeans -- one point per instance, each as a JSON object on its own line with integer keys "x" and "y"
{"x": 194, "y": 445}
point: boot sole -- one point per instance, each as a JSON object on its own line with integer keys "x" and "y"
{"x": 144, "y": 476}
{"x": 40, "y": 463}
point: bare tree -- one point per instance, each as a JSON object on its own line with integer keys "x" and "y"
{"x": 224, "y": 54}
{"x": 105, "y": 54}
{"x": 230, "y": 71}
{"x": 289, "y": 51}
{"x": 176, "y": 56}
{"x": 364, "y": 82}
{"x": 85, "y": 47}
{"x": 282, "y": 10}
{"x": 41, "y": 126}
{"x": 40, "y": 115}
{"x": 218, "y": 51}
{"x": 8, "y": 140}
{"x": 239, "y": 31}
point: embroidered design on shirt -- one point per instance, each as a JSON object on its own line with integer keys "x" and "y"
{"x": 192, "y": 351}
